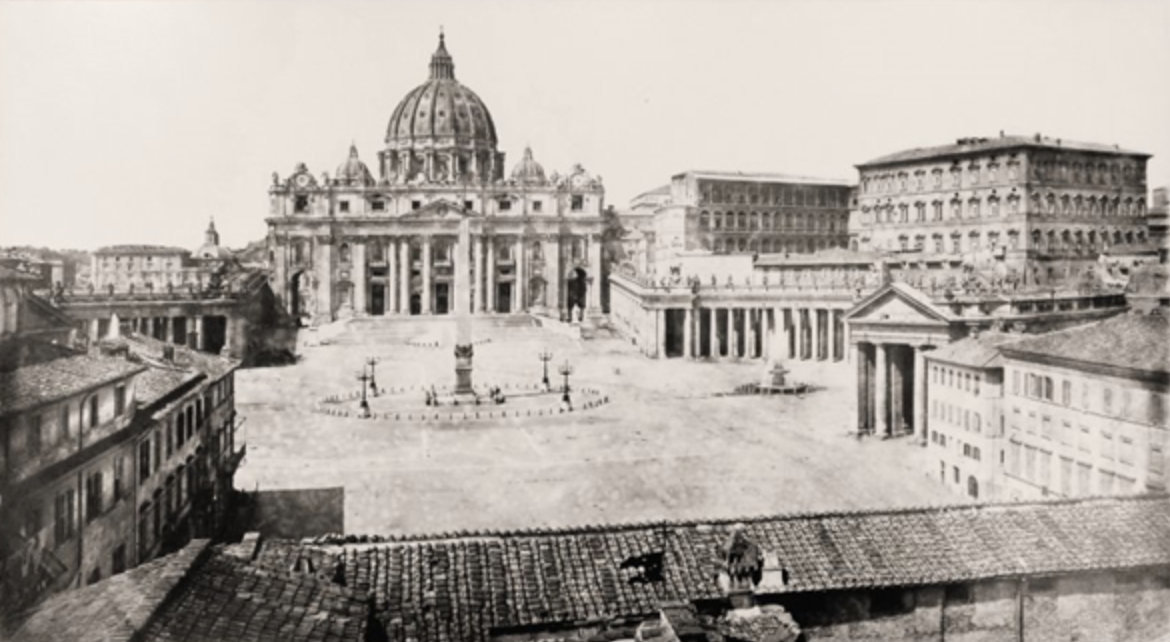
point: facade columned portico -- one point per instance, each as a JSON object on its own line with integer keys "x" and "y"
{"x": 360, "y": 243}
{"x": 890, "y": 330}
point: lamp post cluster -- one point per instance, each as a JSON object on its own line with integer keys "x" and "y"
{"x": 545, "y": 356}
{"x": 565, "y": 369}
{"x": 363, "y": 377}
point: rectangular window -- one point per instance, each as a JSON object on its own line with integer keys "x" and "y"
{"x": 144, "y": 461}
{"x": 1066, "y": 392}
{"x": 1083, "y": 471}
{"x": 119, "y": 478}
{"x": 64, "y": 522}
{"x": 65, "y": 421}
{"x": 34, "y": 434}
{"x": 1107, "y": 451}
{"x": 1046, "y": 427}
{"x": 119, "y": 562}
{"x": 119, "y": 400}
{"x": 505, "y": 205}
{"x": 537, "y": 206}
{"x": 379, "y": 206}
{"x": 1029, "y": 463}
{"x": 301, "y": 204}
{"x": 577, "y": 203}
{"x": 343, "y": 206}
{"x": 1045, "y": 468}
{"x": 1066, "y": 467}
{"x": 94, "y": 415}
{"x": 93, "y": 496}
{"x": 170, "y": 440}
{"x": 1015, "y": 382}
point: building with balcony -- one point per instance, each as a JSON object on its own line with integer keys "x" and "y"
{"x": 356, "y": 244}
{"x": 1043, "y": 208}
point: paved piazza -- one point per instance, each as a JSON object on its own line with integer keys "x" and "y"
{"x": 666, "y": 447}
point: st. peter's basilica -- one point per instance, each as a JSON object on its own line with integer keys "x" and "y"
{"x": 353, "y": 244}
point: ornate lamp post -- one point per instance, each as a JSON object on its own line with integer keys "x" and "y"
{"x": 565, "y": 369}
{"x": 365, "y": 405}
{"x": 545, "y": 356}
{"x": 371, "y": 362}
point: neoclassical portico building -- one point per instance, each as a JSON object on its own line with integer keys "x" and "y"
{"x": 354, "y": 244}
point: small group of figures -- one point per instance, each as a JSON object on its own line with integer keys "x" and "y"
{"x": 432, "y": 397}
{"x": 496, "y": 395}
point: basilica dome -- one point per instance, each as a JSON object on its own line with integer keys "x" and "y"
{"x": 528, "y": 171}
{"x": 441, "y": 113}
{"x": 353, "y": 171}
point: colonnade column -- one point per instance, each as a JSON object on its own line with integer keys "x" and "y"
{"x": 595, "y": 272}
{"x": 920, "y": 393}
{"x": 814, "y": 319}
{"x": 552, "y": 274}
{"x": 170, "y": 321}
{"x": 798, "y": 330}
{"x": 518, "y": 289}
{"x": 732, "y": 335}
{"x": 392, "y": 289}
{"x": 749, "y": 344}
{"x": 713, "y": 331}
{"x": 688, "y": 320}
{"x": 831, "y": 332}
{"x": 862, "y": 398}
{"x": 881, "y": 423}
{"x": 359, "y": 279}
{"x": 404, "y": 277}
{"x": 200, "y": 342}
{"x": 426, "y": 275}
{"x": 490, "y": 251}
{"x": 660, "y": 333}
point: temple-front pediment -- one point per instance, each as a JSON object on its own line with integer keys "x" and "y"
{"x": 898, "y": 303}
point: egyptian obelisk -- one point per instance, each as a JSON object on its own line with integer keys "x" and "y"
{"x": 463, "y": 345}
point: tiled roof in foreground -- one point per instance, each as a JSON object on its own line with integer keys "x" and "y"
{"x": 204, "y": 594}
{"x": 459, "y": 587}
{"x": 51, "y": 381}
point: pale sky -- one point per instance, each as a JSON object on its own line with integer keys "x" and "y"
{"x": 135, "y": 121}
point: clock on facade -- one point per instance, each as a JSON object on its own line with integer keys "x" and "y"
{"x": 303, "y": 180}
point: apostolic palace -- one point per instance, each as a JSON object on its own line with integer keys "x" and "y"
{"x": 354, "y": 244}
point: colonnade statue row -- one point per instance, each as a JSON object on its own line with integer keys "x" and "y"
{"x": 464, "y": 349}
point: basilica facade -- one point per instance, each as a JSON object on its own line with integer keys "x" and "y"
{"x": 356, "y": 244}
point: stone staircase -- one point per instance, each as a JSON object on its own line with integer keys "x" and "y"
{"x": 439, "y": 328}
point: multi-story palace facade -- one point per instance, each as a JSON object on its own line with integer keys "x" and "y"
{"x": 1043, "y": 207}
{"x": 737, "y": 212}
{"x": 356, "y": 244}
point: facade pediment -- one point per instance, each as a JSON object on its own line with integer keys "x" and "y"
{"x": 897, "y": 303}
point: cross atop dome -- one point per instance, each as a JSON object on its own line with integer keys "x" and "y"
{"x": 442, "y": 66}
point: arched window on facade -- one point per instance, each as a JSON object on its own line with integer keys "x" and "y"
{"x": 343, "y": 253}
{"x": 972, "y": 487}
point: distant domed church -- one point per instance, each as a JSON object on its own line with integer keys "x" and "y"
{"x": 356, "y": 244}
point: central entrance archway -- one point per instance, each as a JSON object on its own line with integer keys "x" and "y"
{"x": 577, "y": 291}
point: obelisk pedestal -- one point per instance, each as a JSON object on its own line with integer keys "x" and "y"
{"x": 464, "y": 349}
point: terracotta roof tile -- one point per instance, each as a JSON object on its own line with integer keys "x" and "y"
{"x": 448, "y": 589}
{"x": 50, "y": 381}
{"x": 1131, "y": 341}
{"x": 114, "y": 609}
